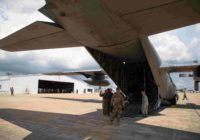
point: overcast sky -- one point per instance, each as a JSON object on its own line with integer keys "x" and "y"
{"x": 180, "y": 46}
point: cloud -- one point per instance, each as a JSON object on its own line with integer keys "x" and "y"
{"x": 194, "y": 48}
{"x": 3, "y": 14}
{"x": 16, "y": 14}
{"x": 43, "y": 61}
{"x": 198, "y": 28}
{"x": 170, "y": 47}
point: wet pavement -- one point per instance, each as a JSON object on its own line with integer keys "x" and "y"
{"x": 79, "y": 117}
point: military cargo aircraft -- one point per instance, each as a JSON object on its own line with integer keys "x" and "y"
{"x": 115, "y": 33}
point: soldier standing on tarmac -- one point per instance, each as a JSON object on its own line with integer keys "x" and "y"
{"x": 184, "y": 95}
{"x": 117, "y": 103}
{"x": 104, "y": 104}
{"x": 12, "y": 91}
{"x": 108, "y": 99}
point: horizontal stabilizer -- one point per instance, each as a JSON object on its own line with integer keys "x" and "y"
{"x": 185, "y": 68}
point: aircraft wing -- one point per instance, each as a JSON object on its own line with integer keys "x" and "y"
{"x": 38, "y": 35}
{"x": 86, "y": 73}
{"x": 185, "y": 68}
{"x": 98, "y": 82}
{"x": 110, "y": 26}
{"x": 97, "y": 76}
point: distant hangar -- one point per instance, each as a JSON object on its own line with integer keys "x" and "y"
{"x": 43, "y": 84}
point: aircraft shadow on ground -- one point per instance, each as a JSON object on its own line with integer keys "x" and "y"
{"x": 53, "y": 126}
{"x": 188, "y": 106}
{"x": 79, "y": 100}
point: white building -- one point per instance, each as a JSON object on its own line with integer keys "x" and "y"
{"x": 35, "y": 84}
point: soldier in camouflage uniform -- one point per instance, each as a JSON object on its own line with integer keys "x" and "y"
{"x": 105, "y": 103}
{"x": 108, "y": 100}
{"x": 117, "y": 103}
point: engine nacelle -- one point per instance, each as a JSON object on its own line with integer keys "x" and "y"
{"x": 98, "y": 82}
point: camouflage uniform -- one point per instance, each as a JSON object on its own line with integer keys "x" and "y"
{"x": 105, "y": 103}
{"x": 108, "y": 97}
{"x": 117, "y": 103}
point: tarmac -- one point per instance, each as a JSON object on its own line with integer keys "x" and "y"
{"x": 79, "y": 117}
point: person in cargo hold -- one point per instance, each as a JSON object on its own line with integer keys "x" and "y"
{"x": 145, "y": 104}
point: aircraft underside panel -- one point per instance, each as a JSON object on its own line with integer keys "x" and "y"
{"x": 112, "y": 66}
{"x": 130, "y": 78}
